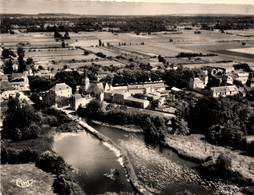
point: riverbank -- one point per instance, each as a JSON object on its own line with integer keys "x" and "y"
{"x": 127, "y": 128}
{"x": 194, "y": 148}
{"x": 121, "y": 153}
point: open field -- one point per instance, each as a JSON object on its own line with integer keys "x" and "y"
{"x": 105, "y": 50}
{"x": 246, "y": 32}
{"x": 244, "y": 50}
{"x": 14, "y": 175}
{"x": 109, "y": 63}
{"x": 227, "y": 46}
{"x": 221, "y": 65}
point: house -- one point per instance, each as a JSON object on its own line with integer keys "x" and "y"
{"x": 230, "y": 78}
{"x": 44, "y": 73}
{"x": 242, "y": 76}
{"x": 94, "y": 88}
{"x": 147, "y": 87}
{"x": 19, "y": 81}
{"x": 156, "y": 64}
{"x": 7, "y": 90}
{"x": 135, "y": 102}
{"x": 224, "y": 91}
{"x": 61, "y": 90}
{"x": 116, "y": 96}
{"x": 196, "y": 83}
{"x": 175, "y": 89}
{"x": 171, "y": 110}
{"x": 4, "y": 77}
{"x": 77, "y": 100}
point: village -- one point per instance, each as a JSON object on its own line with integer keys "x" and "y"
{"x": 167, "y": 110}
{"x": 233, "y": 79}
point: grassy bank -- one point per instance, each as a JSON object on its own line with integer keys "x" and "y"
{"x": 194, "y": 148}
{"x": 41, "y": 181}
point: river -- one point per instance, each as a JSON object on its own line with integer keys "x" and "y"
{"x": 158, "y": 168}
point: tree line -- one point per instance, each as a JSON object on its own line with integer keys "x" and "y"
{"x": 154, "y": 126}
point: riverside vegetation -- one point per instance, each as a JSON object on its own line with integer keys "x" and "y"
{"x": 27, "y": 137}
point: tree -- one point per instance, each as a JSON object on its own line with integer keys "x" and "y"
{"x": 182, "y": 127}
{"x": 18, "y": 116}
{"x": 93, "y": 109}
{"x": 213, "y": 82}
{"x": 70, "y": 78}
{"x": 86, "y": 52}
{"x": 20, "y": 51}
{"x": 66, "y": 35}
{"x": 22, "y": 63}
{"x": 204, "y": 115}
{"x": 8, "y": 69}
{"x": 40, "y": 83}
{"x": 63, "y": 44}
{"x": 109, "y": 78}
{"x": 29, "y": 61}
{"x": 6, "y": 53}
{"x": 57, "y": 34}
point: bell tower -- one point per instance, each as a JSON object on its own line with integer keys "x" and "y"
{"x": 85, "y": 82}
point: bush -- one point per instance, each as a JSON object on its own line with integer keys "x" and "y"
{"x": 62, "y": 101}
{"x": 223, "y": 162}
{"x": 26, "y": 155}
{"x": 4, "y": 154}
{"x": 52, "y": 121}
{"x": 51, "y": 162}
{"x": 14, "y": 156}
{"x": 34, "y": 131}
{"x": 100, "y": 54}
{"x": 110, "y": 106}
{"x": 64, "y": 186}
{"x": 31, "y": 132}
{"x": 221, "y": 168}
{"x": 86, "y": 52}
{"x": 16, "y": 134}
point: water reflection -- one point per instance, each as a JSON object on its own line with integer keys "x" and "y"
{"x": 93, "y": 160}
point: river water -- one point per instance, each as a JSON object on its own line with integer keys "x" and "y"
{"x": 92, "y": 159}
{"x": 156, "y": 167}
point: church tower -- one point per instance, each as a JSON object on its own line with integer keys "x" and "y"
{"x": 85, "y": 83}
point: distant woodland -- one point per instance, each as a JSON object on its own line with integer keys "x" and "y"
{"x": 50, "y": 23}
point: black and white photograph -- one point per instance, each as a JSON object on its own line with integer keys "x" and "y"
{"x": 127, "y": 97}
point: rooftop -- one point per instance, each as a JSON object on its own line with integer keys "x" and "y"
{"x": 224, "y": 88}
{"x": 60, "y": 86}
{"x": 77, "y": 96}
{"x": 198, "y": 80}
{"x": 95, "y": 87}
{"x": 6, "y": 86}
{"x": 130, "y": 98}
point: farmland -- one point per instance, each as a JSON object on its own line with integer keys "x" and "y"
{"x": 45, "y": 50}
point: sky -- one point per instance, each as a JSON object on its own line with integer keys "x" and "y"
{"x": 128, "y": 7}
